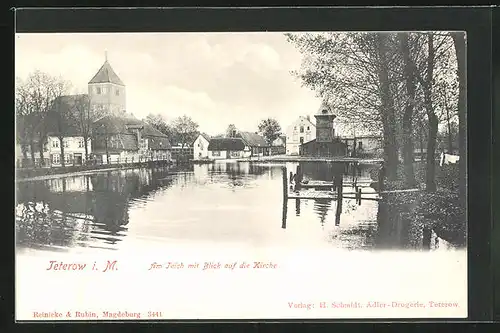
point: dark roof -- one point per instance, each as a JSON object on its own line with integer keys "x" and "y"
{"x": 63, "y": 117}
{"x": 124, "y": 127}
{"x": 234, "y": 144}
{"x": 206, "y": 136}
{"x": 106, "y": 74}
{"x": 253, "y": 139}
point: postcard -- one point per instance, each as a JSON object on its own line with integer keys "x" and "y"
{"x": 257, "y": 175}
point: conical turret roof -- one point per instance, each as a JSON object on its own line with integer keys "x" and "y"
{"x": 106, "y": 74}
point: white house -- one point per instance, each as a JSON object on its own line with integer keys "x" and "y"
{"x": 74, "y": 150}
{"x": 200, "y": 147}
{"x": 300, "y": 131}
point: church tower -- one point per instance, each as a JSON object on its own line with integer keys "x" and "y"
{"x": 107, "y": 91}
{"x": 324, "y": 124}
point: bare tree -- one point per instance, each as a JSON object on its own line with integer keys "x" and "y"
{"x": 159, "y": 122}
{"x": 86, "y": 114}
{"x": 410, "y": 83}
{"x": 459, "y": 44}
{"x": 24, "y": 110}
{"x": 353, "y": 72}
{"x": 61, "y": 118}
{"x": 38, "y": 92}
{"x": 185, "y": 129}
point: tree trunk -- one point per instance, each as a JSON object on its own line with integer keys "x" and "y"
{"x": 430, "y": 183}
{"x": 32, "y": 151}
{"x": 61, "y": 142}
{"x": 430, "y": 177}
{"x": 459, "y": 43}
{"x": 408, "y": 112}
{"x": 86, "y": 146}
{"x": 106, "y": 148}
{"x": 41, "y": 144}
{"x": 450, "y": 134}
{"x": 387, "y": 109}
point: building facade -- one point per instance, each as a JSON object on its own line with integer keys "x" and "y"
{"x": 125, "y": 139}
{"x": 107, "y": 91}
{"x": 325, "y": 144}
{"x": 200, "y": 147}
{"x": 364, "y": 146}
{"x": 300, "y": 131}
{"x": 227, "y": 148}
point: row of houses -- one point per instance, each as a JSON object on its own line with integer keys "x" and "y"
{"x": 239, "y": 145}
{"x": 115, "y": 137}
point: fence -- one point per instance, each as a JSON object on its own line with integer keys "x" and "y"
{"x": 94, "y": 164}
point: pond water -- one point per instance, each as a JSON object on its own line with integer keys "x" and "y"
{"x": 221, "y": 204}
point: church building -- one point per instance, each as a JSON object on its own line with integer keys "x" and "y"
{"x": 107, "y": 91}
{"x": 119, "y": 137}
{"x": 326, "y": 144}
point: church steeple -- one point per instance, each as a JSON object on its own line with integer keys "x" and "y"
{"x": 107, "y": 90}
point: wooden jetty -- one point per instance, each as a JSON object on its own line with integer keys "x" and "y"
{"x": 329, "y": 190}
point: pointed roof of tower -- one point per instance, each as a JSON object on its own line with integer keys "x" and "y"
{"x": 106, "y": 74}
{"x": 325, "y": 109}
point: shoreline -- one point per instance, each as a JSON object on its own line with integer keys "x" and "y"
{"x": 61, "y": 173}
{"x": 284, "y": 158}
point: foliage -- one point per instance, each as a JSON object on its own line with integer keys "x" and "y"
{"x": 185, "y": 130}
{"x": 270, "y": 129}
{"x": 231, "y": 129}
{"x": 159, "y": 122}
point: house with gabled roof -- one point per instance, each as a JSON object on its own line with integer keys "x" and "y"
{"x": 126, "y": 139}
{"x": 255, "y": 143}
{"x": 227, "y": 148}
{"x": 300, "y": 131}
{"x": 200, "y": 146}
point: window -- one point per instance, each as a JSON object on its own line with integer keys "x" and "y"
{"x": 216, "y": 153}
{"x": 98, "y": 90}
{"x": 308, "y": 128}
{"x": 301, "y": 129}
{"x": 294, "y": 128}
{"x": 66, "y": 143}
{"x": 56, "y": 159}
{"x": 55, "y": 143}
{"x": 360, "y": 145}
{"x": 81, "y": 143}
{"x": 117, "y": 92}
{"x": 301, "y": 139}
{"x": 67, "y": 158}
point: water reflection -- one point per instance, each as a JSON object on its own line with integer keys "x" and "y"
{"x": 219, "y": 202}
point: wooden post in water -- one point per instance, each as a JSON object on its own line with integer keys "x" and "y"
{"x": 285, "y": 198}
{"x": 285, "y": 184}
{"x": 298, "y": 178}
{"x": 359, "y": 196}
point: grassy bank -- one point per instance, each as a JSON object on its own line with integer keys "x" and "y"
{"x": 439, "y": 211}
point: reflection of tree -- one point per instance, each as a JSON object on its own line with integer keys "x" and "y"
{"x": 393, "y": 226}
{"x": 58, "y": 213}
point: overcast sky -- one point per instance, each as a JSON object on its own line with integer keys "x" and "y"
{"x": 216, "y": 78}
